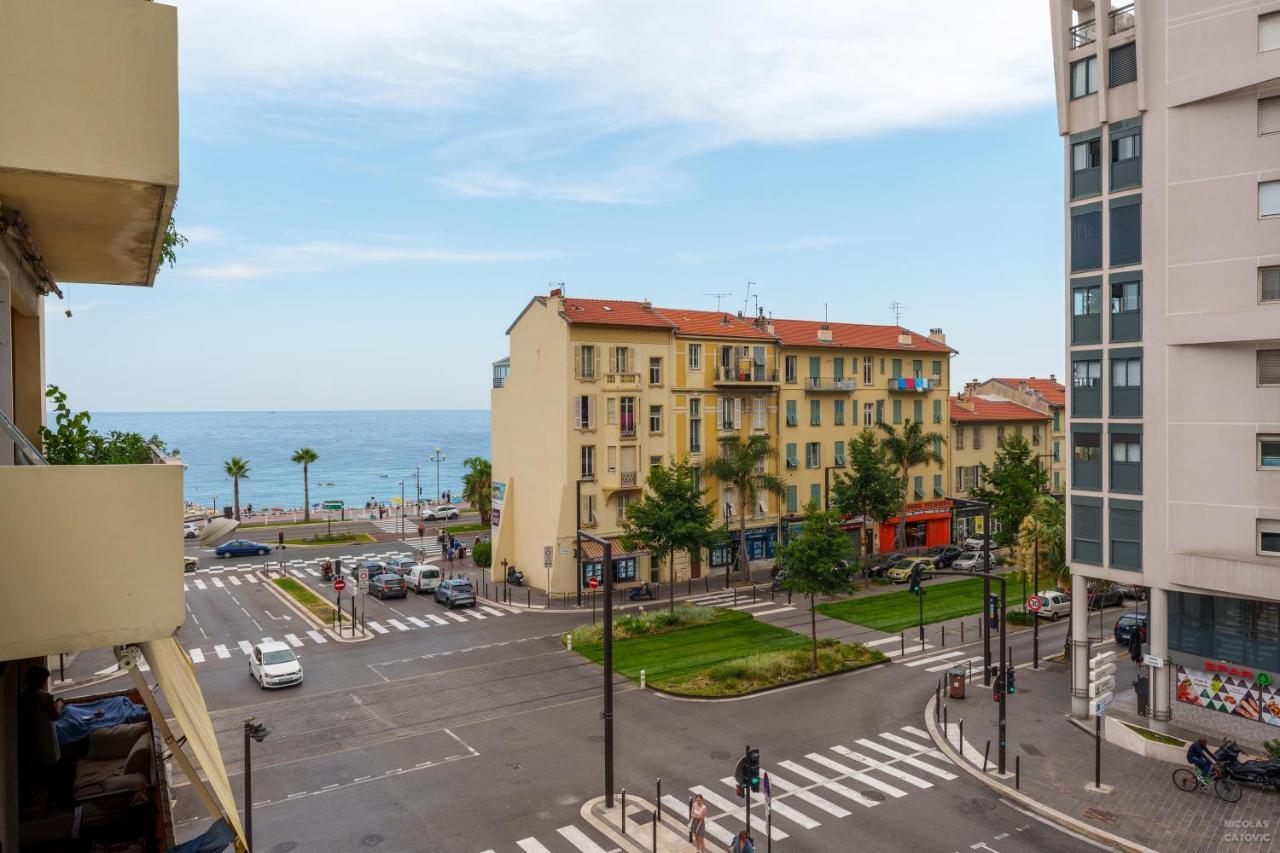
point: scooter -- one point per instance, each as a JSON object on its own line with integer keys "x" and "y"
{"x": 640, "y": 593}
{"x": 1262, "y": 774}
{"x": 515, "y": 577}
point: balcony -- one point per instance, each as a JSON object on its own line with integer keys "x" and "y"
{"x": 89, "y": 141}
{"x": 627, "y": 431}
{"x": 616, "y": 481}
{"x": 627, "y": 479}
{"x": 1085, "y": 32}
{"x": 623, "y": 381}
{"x": 829, "y": 383}
{"x": 1122, "y": 19}
{"x": 755, "y": 377}
{"x": 111, "y": 578}
{"x": 913, "y": 386}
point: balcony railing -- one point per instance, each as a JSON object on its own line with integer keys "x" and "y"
{"x": 499, "y": 382}
{"x": 757, "y": 375}
{"x": 623, "y": 378}
{"x": 829, "y": 383}
{"x": 1122, "y": 19}
{"x": 910, "y": 384}
{"x": 627, "y": 431}
{"x": 1085, "y": 32}
{"x": 628, "y": 479}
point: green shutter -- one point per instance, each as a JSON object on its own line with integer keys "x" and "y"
{"x": 897, "y": 411}
{"x": 815, "y": 366}
{"x": 839, "y": 453}
{"x": 937, "y": 411}
{"x": 937, "y": 485}
{"x": 791, "y": 497}
{"x": 880, "y": 411}
{"x": 791, "y": 413}
{"x": 815, "y": 412}
{"x": 937, "y": 446}
{"x": 815, "y": 494}
{"x": 792, "y": 461}
{"x": 917, "y": 484}
{"x": 917, "y": 411}
{"x": 839, "y": 412}
{"x": 837, "y": 365}
{"x": 897, "y": 368}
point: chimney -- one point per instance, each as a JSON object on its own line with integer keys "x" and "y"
{"x": 937, "y": 335}
{"x": 647, "y": 304}
{"x": 824, "y": 334}
{"x": 556, "y": 292}
{"x": 1053, "y": 378}
{"x": 904, "y": 338}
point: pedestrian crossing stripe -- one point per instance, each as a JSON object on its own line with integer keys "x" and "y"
{"x": 952, "y": 663}
{"x": 375, "y": 626}
{"x": 235, "y": 581}
{"x": 397, "y": 624}
{"x": 197, "y": 656}
{"x": 579, "y": 839}
{"x": 222, "y": 651}
{"x": 883, "y": 641}
{"x": 932, "y": 659}
{"x": 415, "y": 620}
{"x": 830, "y": 784}
{"x": 293, "y": 640}
{"x": 245, "y": 646}
{"x": 218, "y": 583}
{"x": 316, "y": 636}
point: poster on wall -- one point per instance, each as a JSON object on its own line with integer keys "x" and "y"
{"x": 1230, "y": 691}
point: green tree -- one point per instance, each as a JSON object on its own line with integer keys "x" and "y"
{"x": 906, "y": 449}
{"x": 1011, "y": 486}
{"x": 477, "y": 485}
{"x": 671, "y": 516}
{"x": 305, "y": 456}
{"x": 171, "y": 243}
{"x": 237, "y": 469}
{"x": 1044, "y": 533}
{"x": 741, "y": 466}
{"x": 73, "y": 441}
{"x": 813, "y": 560}
{"x": 870, "y": 489}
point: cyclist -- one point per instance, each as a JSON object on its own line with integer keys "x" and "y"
{"x": 1198, "y": 755}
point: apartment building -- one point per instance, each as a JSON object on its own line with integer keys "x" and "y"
{"x": 1048, "y": 396}
{"x": 1170, "y": 119}
{"x": 88, "y": 177}
{"x": 595, "y": 392}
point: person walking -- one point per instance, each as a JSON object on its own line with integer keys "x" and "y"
{"x": 698, "y": 824}
{"x": 742, "y": 844}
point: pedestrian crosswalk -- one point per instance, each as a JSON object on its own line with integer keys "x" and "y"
{"x": 763, "y": 604}
{"x": 809, "y": 792}
{"x": 236, "y": 573}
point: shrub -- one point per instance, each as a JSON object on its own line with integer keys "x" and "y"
{"x": 482, "y": 554}
{"x": 1017, "y": 617}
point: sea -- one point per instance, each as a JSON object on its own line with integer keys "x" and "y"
{"x": 363, "y": 456}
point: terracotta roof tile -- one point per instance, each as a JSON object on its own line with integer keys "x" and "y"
{"x": 714, "y": 324}
{"x": 804, "y": 333}
{"x": 1053, "y": 392}
{"x": 614, "y": 312}
{"x": 990, "y": 408}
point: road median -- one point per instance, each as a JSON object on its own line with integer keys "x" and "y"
{"x": 309, "y": 605}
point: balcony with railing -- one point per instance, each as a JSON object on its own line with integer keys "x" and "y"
{"x": 914, "y": 385}
{"x": 628, "y": 479}
{"x": 628, "y": 381}
{"x": 1085, "y": 32}
{"x": 746, "y": 375}
{"x": 829, "y": 383}
{"x": 1121, "y": 19}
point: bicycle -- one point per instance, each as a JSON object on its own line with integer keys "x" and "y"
{"x": 1225, "y": 788}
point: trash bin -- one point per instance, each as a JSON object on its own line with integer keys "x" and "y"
{"x": 227, "y": 512}
{"x": 956, "y": 678}
{"x": 1142, "y": 689}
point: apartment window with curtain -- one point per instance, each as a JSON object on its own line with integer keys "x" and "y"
{"x": 812, "y": 455}
{"x": 757, "y": 414}
{"x": 917, "y": 369}
{"x": 937, "y": 370}
{"x": 1086, "y": 310}
{"x": 789, "y": 364}
{"x": 1126, "y": 384}
{"x": 792, "y": 419}
{"x": 1086, "y": 164}
{"x": 695, "y": 356}
{"x": 866, "y": 370}
{"x": 1086, "y": 458}
{"x": 837, "y": 414}
{"x": 1126, "y": 307}
{"x": 793, "y": 461}
{"x": 1126, "y": 462}
{"x": 627, "y": 415}
{"x": 584, "y": 412}
{"x": 837, "y": 458}
{"x": 868, "y": 414}
{"x": 1084, "y": 77}
{"x": 588, "y": 470}
{"x": 586, "y": 362}
{"x": 815, "y": 412}
{"x": 1086, "y": 387}
{"x": 621, "y": 359}
{"x": 1269, "y": 198}
{"x": 1269, "y": 284}
{"x": 695, "y": 425}
{"x": 655, "y": 371}
{"x": 655, "y": 419}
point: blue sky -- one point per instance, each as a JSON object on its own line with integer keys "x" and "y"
{"x": 371, "y": 201}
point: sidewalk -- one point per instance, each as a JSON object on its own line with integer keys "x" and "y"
{"x": 1137, "y": 808}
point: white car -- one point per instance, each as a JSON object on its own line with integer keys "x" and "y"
{"x": 968, "y": 561}
{"x": 423, "y": 578}
{"x": 190, "y": 530}
{"x": 973, "y": 543}
{"x": 275, "y": 665}
{"x": 440, "y": 513}
{"x": 1053, "y": 604}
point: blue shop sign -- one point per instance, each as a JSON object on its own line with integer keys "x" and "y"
{"x": 762, "y": 542}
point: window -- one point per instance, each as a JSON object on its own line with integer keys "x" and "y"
{"x": 1126, "y": 372}
{"x": 838, "y": 458}
{"x": 621, "y": 359}
{"x": 815, "y": 494}
{"x": 758, "y": 413}
{"x": 1086, "y": 237}
{"x": 627, "y": 416}
{"x": 695, "y": 425}
{"x": 792, "y": 419}
{"x": 1035, "y": 434}
{"x": 1126, "y": 230}
{"x": 791, "y": 498}
{"x": 977, "y": 438}
{"x": 1086, "y": 530}
{"x": 655, "y": 371}
{"x": 1269, "y": 367}
{"x": 917, "y": 368}
{"x": 1126, "y": 309}
{"x": 837, "y": 368}
{"x": 1126, "y": 383}
{"x": 937, "y": 411}
{"x": 730, "y": 413}
{"x": 1057, "y": 451}
{"x": 586, "y": 362}
{"x": 959, "y": 478}
{"x": 1269, "y": 198}
{"x": 624, "y": 568}
{"x": 812, "y": 454}
{"x": 1123, "y": 66}
{"x": 1126, "y": 463}
{"x": 655, "y": 462}
{"x": 1086, "y": 388}
{"x": 611, "y": 455}
{"x": 868, "y": 414}
{"x": 1268, "y": 116}
{"x": 897, "y": 368}
{"x": 937, "y": 370}
{"x": 584, "y": 412}
{"x": 1268, "y": 537}
{"x": 655, "y": 419}
{"x": 1086, "y": 167}
{"x": 917, "y": 411}
{"x": 1269, "y": 284}
{"x": 1269, "y": 452}
{"x": 879, "y": 411}
{"x": 1086, "y": 311}
{"x": 917, "y": 488}
{"x": 792, "y": 460}
{"x": 937, "y": 485}
{"x": 1268, "y": 31}
{"x": 588, "y": 461}
{"x": 837, "y": 414}
{"x": 622, "y": 505}
{"x": 757, "y": 364}
{"x": 897, "y": 411}
{"x": 1126, "y": 154}
{"x": 1084, "y": 77}
{"x": 790, "y": 367}
{"x": 588, "y": 510}
{"x": 815, "y": 412}
{"x": 695, "y": 356}
{"x": 1086, "y": 462}
{"x": 611, "y": 406}
{"x": 1057, "y": 420}
{"x": 1125, "y": 530}
{"x": 999, "y": 434}
{"x": 866, "y": 370}
{"x": 937, "y": 447}
{"x": 959, "y": 438}
{"x": 815, "y": 369}
{"x": 1057, "y": 481}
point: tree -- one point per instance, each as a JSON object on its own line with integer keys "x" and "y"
{"x": 477, "y": 485}
{"x": 813, "y": 560}
{"x": 907, "y": 449}
{"x": 1011, "y": 486}
{"x": 171, "y": 243}
{"x": 1043, "y": 533}
{"x": 237, "y": 469}
{"x": 73, "y": 441}
{"x": 672, "y": 515}
{"x": 870, "y": 489}
{"x": 305, "y": 456}
{"x": 741, "y": 465}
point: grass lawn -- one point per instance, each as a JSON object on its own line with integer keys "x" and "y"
{"x": 465, "y": 528}
{"x": 730, "y": 655}
{"x": 896, "y": 611}
{"x": 316, "y": 605}
{"x": 299, "y": 523}
{"x": 331, "y": 539}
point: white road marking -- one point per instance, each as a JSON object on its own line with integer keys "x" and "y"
{"x": 317, "y": 636}
{"x": 840, "y": 788}
{"x": 435, "y": 619}
{"x": 222, "y": 651}
{"x": 487, "y": 609}
{"x": 251, "y": 578}
{"x": 952, "y": 663}
{"x": 197, "y": 656}
{"x": 454, "y": 616}
{"x": 779, "y": 808}
{"x": 416, "y": 621}
{"x": 199, "y": 584}
{"x": 889, "y": 770}
{"x": 235, "y": 581}
{"x": 397, "y": 624}
{"x": 932, "y": 659}
{"x": 808, "y": 796}
{"x": 375, "y": 626}
{"x": 531, "y": 845}
{"x": 218, "y": 583}
{"x": 245, "y": 646}
{"x": 312, "y": 572}
{"x": 771, "y": 612}
{"x": 293, "y": 641}
{"x": 883, "y": 641}
{"x": 475, "y": 614}
{"x": 870, "y": 781}
{"x": 578, "y": 839}
{"x": 912, "y": 730}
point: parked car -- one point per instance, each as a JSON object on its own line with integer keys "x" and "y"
{"x": 275, "y": 665}
{"x": 423, "y": 578}
{"x": 189, "y": 564}
{"x": 1128, "y": 623}
{"x": 944, "y": 555}
{"x": 968, "y": 561}
{"x": 901, "y": 571}
{"x": 373, "y": 567}
{"x": 1053, "y": 604}
{"x": 1101, "y": 598}
{"x": 388, "y": 585}
{"x": 190, "y": 531}
{"x": 401, "y": 565}
{"x": 973, "y": 543}
{"x": 883, "y": 562}
{"x": 456, "y": 593}
{"x": 1132, "y": 591}
{"x": 440, "y": 513}
{"x": 241, "y": 548}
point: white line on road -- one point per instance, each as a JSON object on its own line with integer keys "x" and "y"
{"x": 883, "y": 641}
{"x": 218, "y": 583}
{"x": 806, "y": 795}
{"x": 317, "y": 636}
{"x": 579, "y": 839}
{"x": 531, "y": 845}
{"x": 397, "y": 624}
{"x": 771, "y": 612}
{"x": 293, "y": 641}
{"x": 952, "y": 663}
{"x": 375, "y": 626}
{"x": 416, "y": 621}
{"x": 454, "y": 616}
{"x": 475, "y": 615}
{"x": 251, "y": 578}
{"x": 197, "y": 656}
{"x": 487, "y": 609}
{"x": 235, "y": 581}
{"x": 932, "y": 659}
{"x": 245, "y": 646}
{"x": 435, "y": 619}
{"x": 888, "y": 769}
{"x": 199, "y": 584}
{"x": 222, "y": 651}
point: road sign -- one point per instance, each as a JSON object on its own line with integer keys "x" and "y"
{"x": 547, "y": 557}
{"x": 1153, "y": 661}
{"x": 593, "y": 582}
{"x": 363, "y": 577}
{"x": 339, "y": 584}
{"x": 768, "y": 789}
{"x": 1102, "y": 687}
{"x": 1102, "y": 703}
{"x": 332, "y": 505}
{"x": 1034, "y": 604}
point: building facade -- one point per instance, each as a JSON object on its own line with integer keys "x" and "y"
{"x": 1048, "y": 396}
{"x": 1170, "y": 119}
{"x": 595, "y": 392}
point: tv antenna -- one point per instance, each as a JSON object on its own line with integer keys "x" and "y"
{"x": 897, "y": 309}
{"x": 718, "y": 297}
{"x": 747, "y": 299}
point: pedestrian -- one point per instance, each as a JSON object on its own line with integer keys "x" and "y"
{"x": 742, "y": 844}
{"x": 37, "y": 738}
{"x": 698, "y": 824}
{"x": 450, "y": 553}
{"x": 422, "y": 530}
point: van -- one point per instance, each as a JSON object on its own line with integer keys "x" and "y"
{"x": 423, "y": 578}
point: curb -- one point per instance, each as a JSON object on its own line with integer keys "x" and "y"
{"x": 1063, "y": 820}
{"x": 631, "y": 845}
{"x": 66, "y": 686}
{"x": 763, "y": 691}
{"x": 304, "y": 614}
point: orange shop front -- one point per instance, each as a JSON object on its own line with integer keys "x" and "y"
{"x": 928, "y": 524}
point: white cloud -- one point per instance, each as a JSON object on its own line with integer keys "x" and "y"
{"x": 228, "y": 271}
{"x": 201, "y": 234}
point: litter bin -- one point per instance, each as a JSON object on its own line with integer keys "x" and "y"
{"x": 227, "y": 512}
{"x": 956, "y": 678}
{"x": 1142, "y": 689}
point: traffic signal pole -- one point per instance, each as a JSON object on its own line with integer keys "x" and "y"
{"x": 607, "y": 569}
{"x": 1004, "y": 662}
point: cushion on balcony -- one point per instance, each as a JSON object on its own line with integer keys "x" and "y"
{"x": 114, "y": 742}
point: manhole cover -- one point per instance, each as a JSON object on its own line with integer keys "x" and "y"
{"x": 285, "y": 847}
{"x": 873, "y": 795}
{"x": 1030, "y": 749}
{"x": 720, "y": 755}
{"x": 371, "y": 840}
{"x": 1099, "y": 814}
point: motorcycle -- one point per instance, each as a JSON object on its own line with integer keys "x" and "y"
{"x": 1262, "y": 774}
{"x": 515, "y": 577}
{"x": 640, "y": 593}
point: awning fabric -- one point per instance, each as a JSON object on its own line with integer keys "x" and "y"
{"x": 592, "y": 550}
{"x": 173, "y": 672}
{"x": 217, "y": 529}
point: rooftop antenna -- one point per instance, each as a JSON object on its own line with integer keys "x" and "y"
{"x": 825, "y": 318}
{"x": 897, "y": 309}
{"x": 747, "y": 299}
{"x": 718, "y": 297}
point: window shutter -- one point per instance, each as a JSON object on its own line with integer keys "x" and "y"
{"x": 1126, "y": 233}
{"x": 577, "y": 362}
{"x": 577, "y": 412}
{"x": 1269, "y": 198}
{"x": 613, "y": 360}
{"x": 1269, "y": 31}
{"x": 737, "y": 413}
{"x": 1124, "y": 64}
{"x": 1269, "y": 116}
{"x": 1269, "y": 367}
{"x": 591, "y": 412}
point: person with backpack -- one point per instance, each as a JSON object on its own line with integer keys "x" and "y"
{"x": 742, "y": 844}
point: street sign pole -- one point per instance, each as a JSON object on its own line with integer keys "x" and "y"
{"x": 1004, "y": 662}
{"x": 1035, "y": 620}
{"x": 607, "y": 568}
{"x": 986, "y": 597}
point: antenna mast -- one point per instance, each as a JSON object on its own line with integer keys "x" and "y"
{"x": 746, "y": 300}
{"x": 718, "y": 297}
{"x": 897, "y": 309}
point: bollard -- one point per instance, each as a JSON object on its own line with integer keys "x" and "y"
{"x": 1017, "y": 772}
{"x": 753, "y": 593}
{"x": 655, "y": 830}
{"x": 569, "y": 641}
{"x": 985, "y": 753}
{"x": 528, "y": 598}
{"x": 735, "y": 596}
{"x": 962, "y": 632}
{"x": 642, "y": 679}
{"x": 944, "y": 636}
{"x": 690, "y": 819}
{"x": 946, "y": 732}
{"x": 961, "y": 736}
{"x": 937, "y": 700}
{"x": 902, "y": 641}
{"x": 624, "y": 811}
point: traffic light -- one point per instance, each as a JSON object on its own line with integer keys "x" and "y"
{"x": 993, "y": 608}
{"x": 997, "y": 683}
{"x": 1009, "y": 686}
{"x": 753, "y": 769}
{"x": 915, "y": 579}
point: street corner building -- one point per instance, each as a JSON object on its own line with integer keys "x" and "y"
{"x": 88, "y": 178}
{"x": 1170, "y": 121}
{"x": 595, "y": 391}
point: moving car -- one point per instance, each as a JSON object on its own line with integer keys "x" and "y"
{"x": 189, "y": 564}
{"x": 1054, "y": 604}
{"x": 401, "y": 565}
{"x": 275, "y": 665}
{"x": 373, "y": 567}
{"x": 440, "y": 513}
{"x": 388, "y": 585}
{"x": 968, "y": 561}
{"x": 190, "y": 531}
{"x": 241, "y": 548}
{"x": 901, "y": 571}
{"x": 944, "y": 555}
{"x": 423, "y": 578}
{"x": 1133, "y": 591}
{"x": 455, "y": 593}
{"x": 1128, "y": 623}
{"x": 883, "y": 562}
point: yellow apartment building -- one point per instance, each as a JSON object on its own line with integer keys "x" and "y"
{"x": 1044, "y": 395}
{"x": 595, "y": 392}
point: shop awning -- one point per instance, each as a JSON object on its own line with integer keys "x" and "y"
{"x": 592, "y": 550}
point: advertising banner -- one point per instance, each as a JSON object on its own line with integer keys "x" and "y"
{"x": 1230, "y": 690}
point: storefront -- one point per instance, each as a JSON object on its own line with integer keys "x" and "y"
{"x": 762, "y": 542}
{"x": 928, "y": 524}
{"x": 627, "y": 565}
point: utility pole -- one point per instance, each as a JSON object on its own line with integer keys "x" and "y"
{"x": 417, "y": 481}
{"x": 437, "y": 458}
{"x": 402, "y": 510}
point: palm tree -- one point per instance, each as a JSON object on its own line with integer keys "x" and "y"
{"x": 477, "y": 485}
{"x": 907, "y": 449}
{"x": 305, "y": 456}
{"x": 237, "y": 469}
{"x": 741, "y": 465}
{"x": 1042, "y": 540}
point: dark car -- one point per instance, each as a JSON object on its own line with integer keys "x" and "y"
{"x": 388, "y": 585}
{"x": 1133, "y": 591}
{"x": 455, "y": 593}
{"x": 1108, "y": 597}
{"x": 883, "y": 562}
{"x": 944, "y": 555}
{"x": 1128, "y": 623}
{"x": 241, "y": 548}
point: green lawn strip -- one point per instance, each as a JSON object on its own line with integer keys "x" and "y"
{"x": 331, "y": 539}
{"x": 770, "y": 669}
{"x": 1156, "y": 737}
{"x": 895, "y": 611}
{"x": 465, "y": 528}
{"x": 300, "y": 523}
{"x": 313, "y": 603}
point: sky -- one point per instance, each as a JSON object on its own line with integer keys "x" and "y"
{"x": 372, "y": 192}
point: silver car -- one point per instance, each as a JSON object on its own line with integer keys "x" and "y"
{"x": 440, "y": 513}
{"x": 1053, "y": 604}
{"x": 968, "y": 561}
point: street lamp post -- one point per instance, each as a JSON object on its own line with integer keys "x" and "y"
{"x": 417, "y": 482}
{"x": 607, "y": 715}
{"x": 402, "y": 510}
{"x": 258, "y": 732}
{"x": 437, "y": 458}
